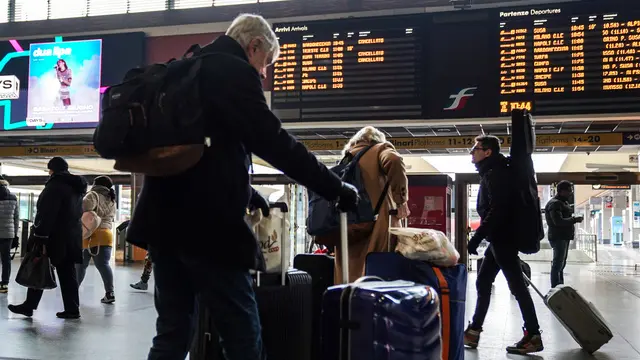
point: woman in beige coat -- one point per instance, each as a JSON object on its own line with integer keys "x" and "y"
{"x": 378, "y": 165}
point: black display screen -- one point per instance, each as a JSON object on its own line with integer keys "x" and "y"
{"x": 559, "y": 59}
{"x": 570, "y": 59}
{"x": 356, "y": 69}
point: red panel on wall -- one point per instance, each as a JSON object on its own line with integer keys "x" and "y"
{"x": 163, "y": 48}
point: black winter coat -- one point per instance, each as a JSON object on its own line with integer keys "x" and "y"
{"x": 58, "y": 217}
{"x": 201, "y": 211}
{"x": 559, "y": 219}
{"x": 495, "y": 201}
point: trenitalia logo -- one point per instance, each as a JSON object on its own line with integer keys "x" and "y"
{"x": 460, "y": 99}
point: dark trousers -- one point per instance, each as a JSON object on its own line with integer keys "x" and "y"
{"x": 507, "y": 260}
{"x": 560, "y": 254}
{"x": 5, "y": 259}
{"x": 180, "y": 281}
{"x": 68, "y": 281}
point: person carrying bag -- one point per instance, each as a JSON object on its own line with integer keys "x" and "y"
{"x": 36, "y": 271}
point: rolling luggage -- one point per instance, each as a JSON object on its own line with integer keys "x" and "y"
{"x": 374, "y": 319}
{"x": 321, "y": 268}
{"x": 583, "y": 321}
{"x": 284, "y": 303}
{"x": 450, "y": 283}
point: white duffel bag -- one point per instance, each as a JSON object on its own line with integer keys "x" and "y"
{"x": 428, "y": 245}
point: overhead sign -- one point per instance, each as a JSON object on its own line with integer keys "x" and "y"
{"x": 631, "y": 138}
{"x": 467, "y": 142}
{"x": 48, "y": 151}
{"x": 610, "y": 187}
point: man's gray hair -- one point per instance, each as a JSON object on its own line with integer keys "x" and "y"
{"x": 247, "y": 27}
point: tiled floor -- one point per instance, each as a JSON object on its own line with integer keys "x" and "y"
{"x": 124, "y": 330}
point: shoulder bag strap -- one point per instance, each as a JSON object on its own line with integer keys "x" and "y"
{"x": 385, "y": 190}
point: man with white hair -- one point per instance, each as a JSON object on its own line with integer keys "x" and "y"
{"x": 193, "y": 223}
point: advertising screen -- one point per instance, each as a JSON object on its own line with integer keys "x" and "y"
{"x": 57, "y": 83}
{"x": 64, "y": 82}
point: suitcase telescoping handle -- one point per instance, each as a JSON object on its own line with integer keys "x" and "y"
{"x": 526, "y": 278}
{"x": 344, "y": 247}
{"x": 284, "y": 242}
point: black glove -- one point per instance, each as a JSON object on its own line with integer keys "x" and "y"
{"x": 15, "y": 242}
{"x": 258, "y": 202}
{"x": 348, "y": 198}
{"x": 472, "y": 247}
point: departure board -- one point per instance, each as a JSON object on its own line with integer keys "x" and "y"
{"x": 352, "y": 69}
{"x": 569, "y": 60}
{"x": 573, "y": 58}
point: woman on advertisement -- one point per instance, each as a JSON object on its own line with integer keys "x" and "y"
{"x": 63, "y": 73}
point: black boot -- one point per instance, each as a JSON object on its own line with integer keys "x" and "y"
{"x": 21, "y": 309}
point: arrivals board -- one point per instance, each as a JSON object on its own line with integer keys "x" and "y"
{"x": 348, "y": 69}
{"x": 558, "y": 59}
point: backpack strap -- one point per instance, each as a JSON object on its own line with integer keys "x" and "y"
{"x": 193, "y": 50}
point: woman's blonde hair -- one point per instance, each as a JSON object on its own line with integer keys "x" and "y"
{"x": 366, "y": 135}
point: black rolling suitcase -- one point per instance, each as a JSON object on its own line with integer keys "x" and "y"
{"x": 321, "y": 268}
{"x": 284, "y": 303}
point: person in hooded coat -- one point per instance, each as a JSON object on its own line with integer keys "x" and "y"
{"x": 101, "y": 198}
{"x": 58, "y": 226}
{"x": 9, "y": 221}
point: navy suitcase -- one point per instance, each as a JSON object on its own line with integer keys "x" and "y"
{"x": 379, "y": 320}
{"x": 450, "y": 283}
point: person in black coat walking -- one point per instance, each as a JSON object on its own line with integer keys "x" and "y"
{"x": 496, "y": 209}
{"x": 58, "y": 226}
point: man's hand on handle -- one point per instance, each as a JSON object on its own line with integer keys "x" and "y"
{"x": 348, "y": 198}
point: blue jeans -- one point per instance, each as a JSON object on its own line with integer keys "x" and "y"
{"x": 180, "y": 281}
{"x": 560, "y": 254}
{"x": 101, "y": 261}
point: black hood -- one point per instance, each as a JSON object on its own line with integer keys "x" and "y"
{"x": 77, "y": 183}
{"x": 226, "y": 45}
{"x": 4, "y": 191}
{"x": 491, "y": 162}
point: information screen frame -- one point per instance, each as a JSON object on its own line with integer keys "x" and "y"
{"x": 472, "y": 90}
{"x": 356, "y": 48}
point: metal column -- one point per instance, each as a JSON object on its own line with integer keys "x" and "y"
{"x": 461, "y": 188}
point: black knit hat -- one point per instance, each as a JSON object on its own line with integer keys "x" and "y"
{"x": 58, "y": 164}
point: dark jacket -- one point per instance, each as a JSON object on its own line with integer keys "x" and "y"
{"x": 9, "y": 212}
{"x": 202, "y": 210}
{"x": 559, "y": 219}
{"x": 58, "y": 217}
{"x": 494, "y": 204}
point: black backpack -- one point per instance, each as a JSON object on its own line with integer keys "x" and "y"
{"x": 152, "y": 123}
{"x": 529, "y": 227}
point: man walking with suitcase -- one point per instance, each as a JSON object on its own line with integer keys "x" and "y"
{"x": 496, "y": 208}
{"x": 209, "y": 251}
{"x": 561, "y": 229}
